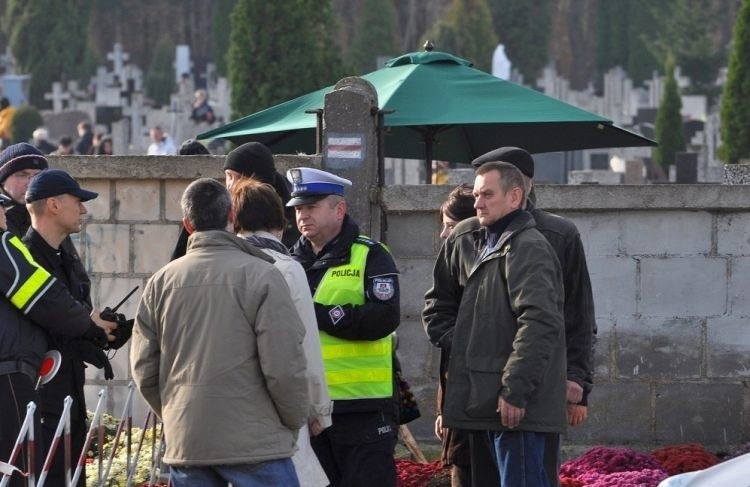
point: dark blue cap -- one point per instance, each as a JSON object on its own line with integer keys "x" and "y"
{"x": 54, "y": 182}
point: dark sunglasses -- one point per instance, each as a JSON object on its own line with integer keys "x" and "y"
{"x": 5, "y": 201}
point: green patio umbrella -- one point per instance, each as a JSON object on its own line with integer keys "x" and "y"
{"x": 443, "y": 109}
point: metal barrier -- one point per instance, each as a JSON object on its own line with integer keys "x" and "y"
{"x": 62, "y": 434}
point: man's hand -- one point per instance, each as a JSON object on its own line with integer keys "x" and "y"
{"x": 574, "y": 392}
{"x": 439, "y": 427}
{"x": 577, "y": 414}
{"x": 510, "y": 416}
{"x": 108, "y": 326}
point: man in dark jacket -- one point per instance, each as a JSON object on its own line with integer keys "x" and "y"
{"x": 505, "y": 330}
{"x": 34, "y": 303}
{"x": 18, "y": 164}
{"x": 354, "y": 283}
{"x": 55, "y": 202}
{"x": 453, "y": 264}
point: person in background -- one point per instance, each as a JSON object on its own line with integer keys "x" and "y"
{"x": 6, "y": 116}
{"x": 455, "y": 443}
{"x": 18, "y": 164}
{"x": 104, "y": 147}
{"x": 39, "y": 140}
{"x": 192, "y": 147}
{"x": 161, "y": 143}
{"x": 64, "y": 147}
{"x": 85, "y": 138}
{"x": 259, "y": 219}
{"x": 202, "y": 111}
{"x": 255, "y": 160}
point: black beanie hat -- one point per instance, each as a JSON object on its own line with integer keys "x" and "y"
{"x": 18, "y": 157}
{"x": 252, "y": 159}
{"x": 192, "y": 147}
{"x": 512, "y": 155}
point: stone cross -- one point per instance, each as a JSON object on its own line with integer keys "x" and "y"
{"x": 119, "y": 58}
{"x": 57, "y": 96}
{"x": 136, "y": 113}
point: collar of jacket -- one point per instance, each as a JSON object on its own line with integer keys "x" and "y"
{"x": 521, "y": 222}
{"x": 221, "y": 238}
{"x": 335, "y": 252}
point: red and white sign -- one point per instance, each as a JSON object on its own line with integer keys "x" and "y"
{"x": 345, "y": 147}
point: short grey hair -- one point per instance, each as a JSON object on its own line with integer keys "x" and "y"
{"x": 510, "y": 177}
{"x": 205, "y": 205}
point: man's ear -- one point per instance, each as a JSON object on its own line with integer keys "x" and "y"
{"x": 188, "y": 226}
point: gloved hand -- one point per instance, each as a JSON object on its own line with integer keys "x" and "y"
{"x": 95, "y": 335}
{"x": 330, "y": 317}
{"x": 95, "y": 356}
{"x": 123, "y": 332}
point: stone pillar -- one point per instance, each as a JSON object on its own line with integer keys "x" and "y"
{"x": 350, "y": 148}
{"x": 687, "y": 167}
{"x": 737, "y": 173}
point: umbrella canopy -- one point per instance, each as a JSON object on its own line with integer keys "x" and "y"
{"x": 443, "y": 109}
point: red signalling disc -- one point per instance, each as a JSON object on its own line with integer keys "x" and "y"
{"x": 50, "y": 366}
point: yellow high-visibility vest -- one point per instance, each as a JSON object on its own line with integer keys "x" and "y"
{"x": 354, "y": 369}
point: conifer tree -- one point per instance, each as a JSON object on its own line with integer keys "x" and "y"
{"x": 221, "y": 30}
{"x": 280, "y": 50}
{"x": 48, "y": 41}
{"x": 467, "y": 32}
{"x": 524, "y": 27}
{"x": 160, "y": 80}
{"x": 668, "y": 129}
{"x": 376, "y": 35}
{"x": 735, "y": 105}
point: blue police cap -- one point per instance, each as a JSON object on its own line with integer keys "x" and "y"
{"x": 310, "y": 185}
{"x": 54, "y": 182}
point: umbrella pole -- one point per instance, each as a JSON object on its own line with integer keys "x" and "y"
{"x": 428, "y": 159}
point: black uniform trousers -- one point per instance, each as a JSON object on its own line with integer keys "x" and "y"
{"x": 16, "y": 391}
{"x": 357, "y": 450}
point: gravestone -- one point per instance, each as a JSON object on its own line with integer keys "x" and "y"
{"x": 686, "y": 168}
{"x": 634, "y": 171}
{"x": 119, "y": 58}
{"x": 58, "y": 97}
{"x": 64, "y": 124}
{"x": 599, "y": 161}
{"x": 182, "y": 64}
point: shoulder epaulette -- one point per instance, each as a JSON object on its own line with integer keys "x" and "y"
{"x": 361, "y": 239}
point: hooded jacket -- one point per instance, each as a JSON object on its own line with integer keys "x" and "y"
{"x": 217, "y": 354}
{"x": 508, "y": 339}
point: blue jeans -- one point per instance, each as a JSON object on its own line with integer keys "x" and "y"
{"x": 264, "y": 474}
{"x": 519, "y": 456}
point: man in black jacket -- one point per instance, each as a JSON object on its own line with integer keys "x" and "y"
{"x": 33, "y": 304}
{"x": 354, "y": 283}
{"x": 453, "y": 265}
{"x": 55, "y": 202}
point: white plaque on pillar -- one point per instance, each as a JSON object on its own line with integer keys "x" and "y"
{"x": 344, "y": 151}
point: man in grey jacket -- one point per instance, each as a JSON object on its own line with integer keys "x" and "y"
{"x": 507, "y": 370}
{"x": 217, "y": 354}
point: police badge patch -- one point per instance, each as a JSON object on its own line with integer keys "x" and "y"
{"x": 383, "y": 288}
{"x": 336, "y": 313}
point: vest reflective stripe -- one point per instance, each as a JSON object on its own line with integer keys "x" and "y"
{"x": 33, "y": 284}
{"x": 354, "y": 369}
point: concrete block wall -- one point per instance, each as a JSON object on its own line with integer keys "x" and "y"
{"x": 669, "y": 269}
{"x": 669, "y": 265}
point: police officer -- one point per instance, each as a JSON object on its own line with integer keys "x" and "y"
{"x": 33, "y": 303}
{"x": 354, "y": 283}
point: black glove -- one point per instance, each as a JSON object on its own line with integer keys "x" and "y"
{"x": 123, "y": 332}
{"x": 95, "y": 335}
{"x": 94, "y": 355}
{"x": 330, "y": 317}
